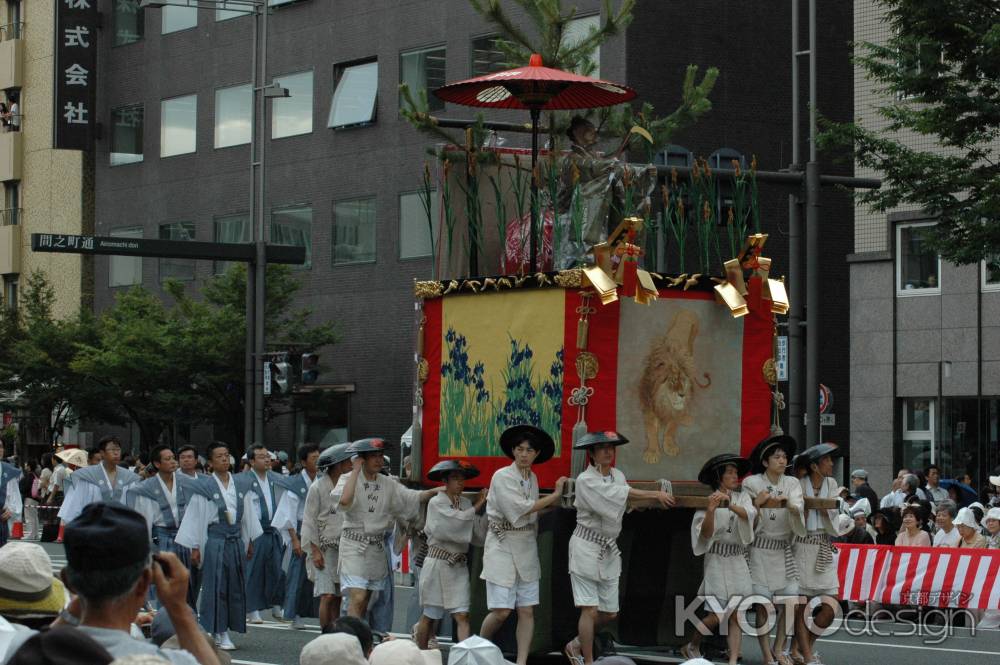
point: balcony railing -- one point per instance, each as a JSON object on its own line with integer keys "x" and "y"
{"x": 10, "y": 216}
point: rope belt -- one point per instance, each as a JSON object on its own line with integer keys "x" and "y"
{"x": 824, "y": 558}
{"x": 453, "y": 558}
{"x": 361, "y": 537}
{"x": 774, "y": 545}
{"x": 608, "y": 545}
{"x": 501, "y": 527}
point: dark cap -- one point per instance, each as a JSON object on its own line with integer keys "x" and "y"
{"x": 335, "y": 454}
{"x": 60, "y": 646}
{"x": 815, "y": 453}
{"x": 445, "y": 468}
{"x": 106, "y": 536}
{"x": 765, "y": 448}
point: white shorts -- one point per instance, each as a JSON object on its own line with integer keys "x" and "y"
{"x": 813, "y": 593}
{"x": 792, "y": 589}
{"x": 436, "y": 613}
{"x": 355, "y": 582}
{"x": 602, "y": 594}
{"x": 522, "y": 594}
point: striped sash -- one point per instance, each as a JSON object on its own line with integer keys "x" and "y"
{"x": 824, "y": 557}
{"x": 366, "y": 539}
{"x": 501, "y": 527}
{"x": 774, "y": 545}
{"x": 608, "y": 545}
{"x": 453, "y": 558}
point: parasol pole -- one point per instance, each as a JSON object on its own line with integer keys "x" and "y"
{"x": 535, "y": 113}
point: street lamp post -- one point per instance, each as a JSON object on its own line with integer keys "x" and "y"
{"x": 253, "y": 422}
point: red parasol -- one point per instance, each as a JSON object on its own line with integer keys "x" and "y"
{"x": 535, "y": 88}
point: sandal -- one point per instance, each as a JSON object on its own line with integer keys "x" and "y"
{"x": 689, "y": 653}
{"x": 572, "y": 652}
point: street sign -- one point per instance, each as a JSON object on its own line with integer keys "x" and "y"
{"x": 781, "y": 361}
{"x": 267, "y": 377}
{"x": 827, "y": 419}
{"x": 825, "y": 399}
{"x": 164, "y": 249}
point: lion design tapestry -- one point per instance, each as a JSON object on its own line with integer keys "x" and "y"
{"x": 680, "y": 377}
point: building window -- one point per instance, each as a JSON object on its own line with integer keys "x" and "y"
{"x": 233, "y": 115}
{"x": 414, "y": 235}
{"x": 918, "y": 267}
{"x": 991, "y": 273}
{"x": 355, "y": 95}
{"x": 579, "y": 29}
{"x": 231, "y": 229}
{"x": 178, "y": 125}
{"x": 918, "y": 433}
{"x": 125, "y": 270}
{"x": 12, "y": 203}
{"x": 182, "y": 269}
{"x": 227, "y": 10}
{"x": 354, "y": 231}
{"x": 10, "y": 292}
{"x": 487, "y": 57}
{"x": 126, "y": 134}
{"x": 293, "y": 115}
{"x": 129, "y": 21}
{"x": 674, "y": 155}
{"x": 292, "y": 226}
{"x": 175, "y": 18}
{"x": 423, "y": 69}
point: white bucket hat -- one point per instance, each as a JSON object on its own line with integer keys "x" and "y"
{"x": 993, "y": 514}
{"x": 340, "y": 648}
{"x": 475, "y": 651}
{"x": 966, "y": 518}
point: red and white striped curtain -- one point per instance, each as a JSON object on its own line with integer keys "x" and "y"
{"x": 929, "y": 576}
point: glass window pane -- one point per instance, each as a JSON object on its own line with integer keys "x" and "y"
{"x": 126, "y": 134}
{"x": 231, "y": 229}
{"x": 355, "y": 96}
{"x": 991, "y": 275}
{"x": 182, "y": 269}
{"x": 414, "y": 233}
{"x": 487, "y": 57}
{"x": 423, "y": 69}
{"x": 178, "y": 123}
{"x": 129, "y": 22}
{"x": 236, "y": 9}
{"x": 918, "y": 415}
{"x": 176, "y": 18}
{"x": 125, "y": 270}
{"x": 233, "y": 115}
{"x": 918, "y": 264}
{"x": 293, "y": 226}
{"x": 576, "y": 31}
{"x": 354, "y": 231}
{"x": 293, "y": 115}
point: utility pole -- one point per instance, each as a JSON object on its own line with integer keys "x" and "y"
{"x": 795, "y": 309}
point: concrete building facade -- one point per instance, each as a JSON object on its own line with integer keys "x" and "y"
{"x": 925, "y": 334}
{"x": 174, "y": 161}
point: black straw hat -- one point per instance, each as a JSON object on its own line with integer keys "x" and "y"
{"x": 591, "y": 439}
{"x": 711, "y": 471}
{"x": 819, "y": 451}
{"x": 764, "y": 449}
{"x": 538, "y": 438}
{"x": 369, "y": 445}
{"x": 444, "y": 468}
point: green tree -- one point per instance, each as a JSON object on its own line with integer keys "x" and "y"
{"x": 939, "y": 75}
{"x": 36, "y": 350}
{"x": 184, "y": 362}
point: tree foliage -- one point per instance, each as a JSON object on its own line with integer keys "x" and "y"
{"x": 545, "y": 35}
{"x": 148, "y": 361}
{"x": 939, "y": 75}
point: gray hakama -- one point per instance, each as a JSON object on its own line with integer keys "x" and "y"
{"x": 265, "y": 578}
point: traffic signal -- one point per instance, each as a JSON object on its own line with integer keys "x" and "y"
{"x": 280, "y": 375}
{"x": 310, "y": 368}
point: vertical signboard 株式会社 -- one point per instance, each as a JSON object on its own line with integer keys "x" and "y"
{"x": 75, "y": 78}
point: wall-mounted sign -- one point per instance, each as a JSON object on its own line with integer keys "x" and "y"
{"x": 76, "y": 78}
